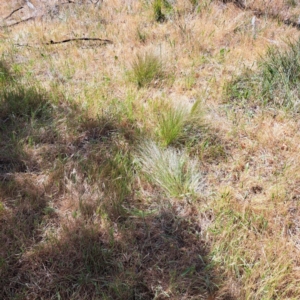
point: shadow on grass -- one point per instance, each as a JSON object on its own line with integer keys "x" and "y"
{"x": 156, "y": 257}
{"x": 106, "y": 250}
{"x": 23, "y": 206}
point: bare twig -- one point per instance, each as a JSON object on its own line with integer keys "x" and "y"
{"x": 261, "y": 13}
{"x": 68, "y": 2}
{"x": 104, "y": 41}
{"x": 17, "y": 9}
{"x": 22, "y": 21}
{"x": 80, "y": 39}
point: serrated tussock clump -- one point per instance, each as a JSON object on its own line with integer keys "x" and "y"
{"x": 170, "y": 169}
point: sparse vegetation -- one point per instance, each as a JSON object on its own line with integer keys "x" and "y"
{"x": 127, "y": 176}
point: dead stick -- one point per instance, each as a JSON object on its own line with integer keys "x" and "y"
{"x": 80, "y": 39}
{"x": 22, "y": 21}
{"x": 260, "y": 13}
{"x": 13, "y": 12}
{"x": 69, "y": 40}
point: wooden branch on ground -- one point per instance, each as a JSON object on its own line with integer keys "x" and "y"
{"x": 260, "y": 13}
{"x": 105, "y": 41}
{"x": 17, "y": 23}
{"x": 17, "y": 9}
{"x": 288, "y": 22}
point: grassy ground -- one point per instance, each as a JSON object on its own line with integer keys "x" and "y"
{"x": 160, "y": 165}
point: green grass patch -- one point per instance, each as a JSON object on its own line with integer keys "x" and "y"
{"x": 146, "y": 69}
{"x": 275, "y": 82}
{"x": 180, "y": 125}
{"x": 160, "y": 9}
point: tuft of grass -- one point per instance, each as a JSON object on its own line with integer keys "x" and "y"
{"x": 157, "y": 10}
{"x": 146, "y": 69}
{"x": 194, "y": 2}
{"x": 170, "y": 169}
{"x": 291, "y": 3}
{"x": 171, "y": 125}
{"x": 161, "y": 8}
{"x": 275, "y": 82}
{"x": 141, "y": 35}
{"x": 5, "y": 74}
{"x": 180, "y": 124}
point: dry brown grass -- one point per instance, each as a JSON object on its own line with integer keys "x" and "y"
{"x": 80, "y": 218}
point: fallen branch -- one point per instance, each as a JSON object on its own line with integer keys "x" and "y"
{"x": 260, "y": 13}
{"x": 80, "y": 39}
{"x": 105, "y": 41}
{"x": 17, "y": 23}
{"x": 13, "y": 12}
{"x": 292, "y": 23}
{"x": 28, "y": 19}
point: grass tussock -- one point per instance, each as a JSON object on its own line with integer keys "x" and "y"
{"x": 147, "y": 69}
{"x": 275, "y": 82}
{"x": 180, "y": 125}
{"x": 157, "y": 10}
{"x": 161, "y": 9}
{"x": 20, "y": 100}
{"x": 170, "y": 170}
